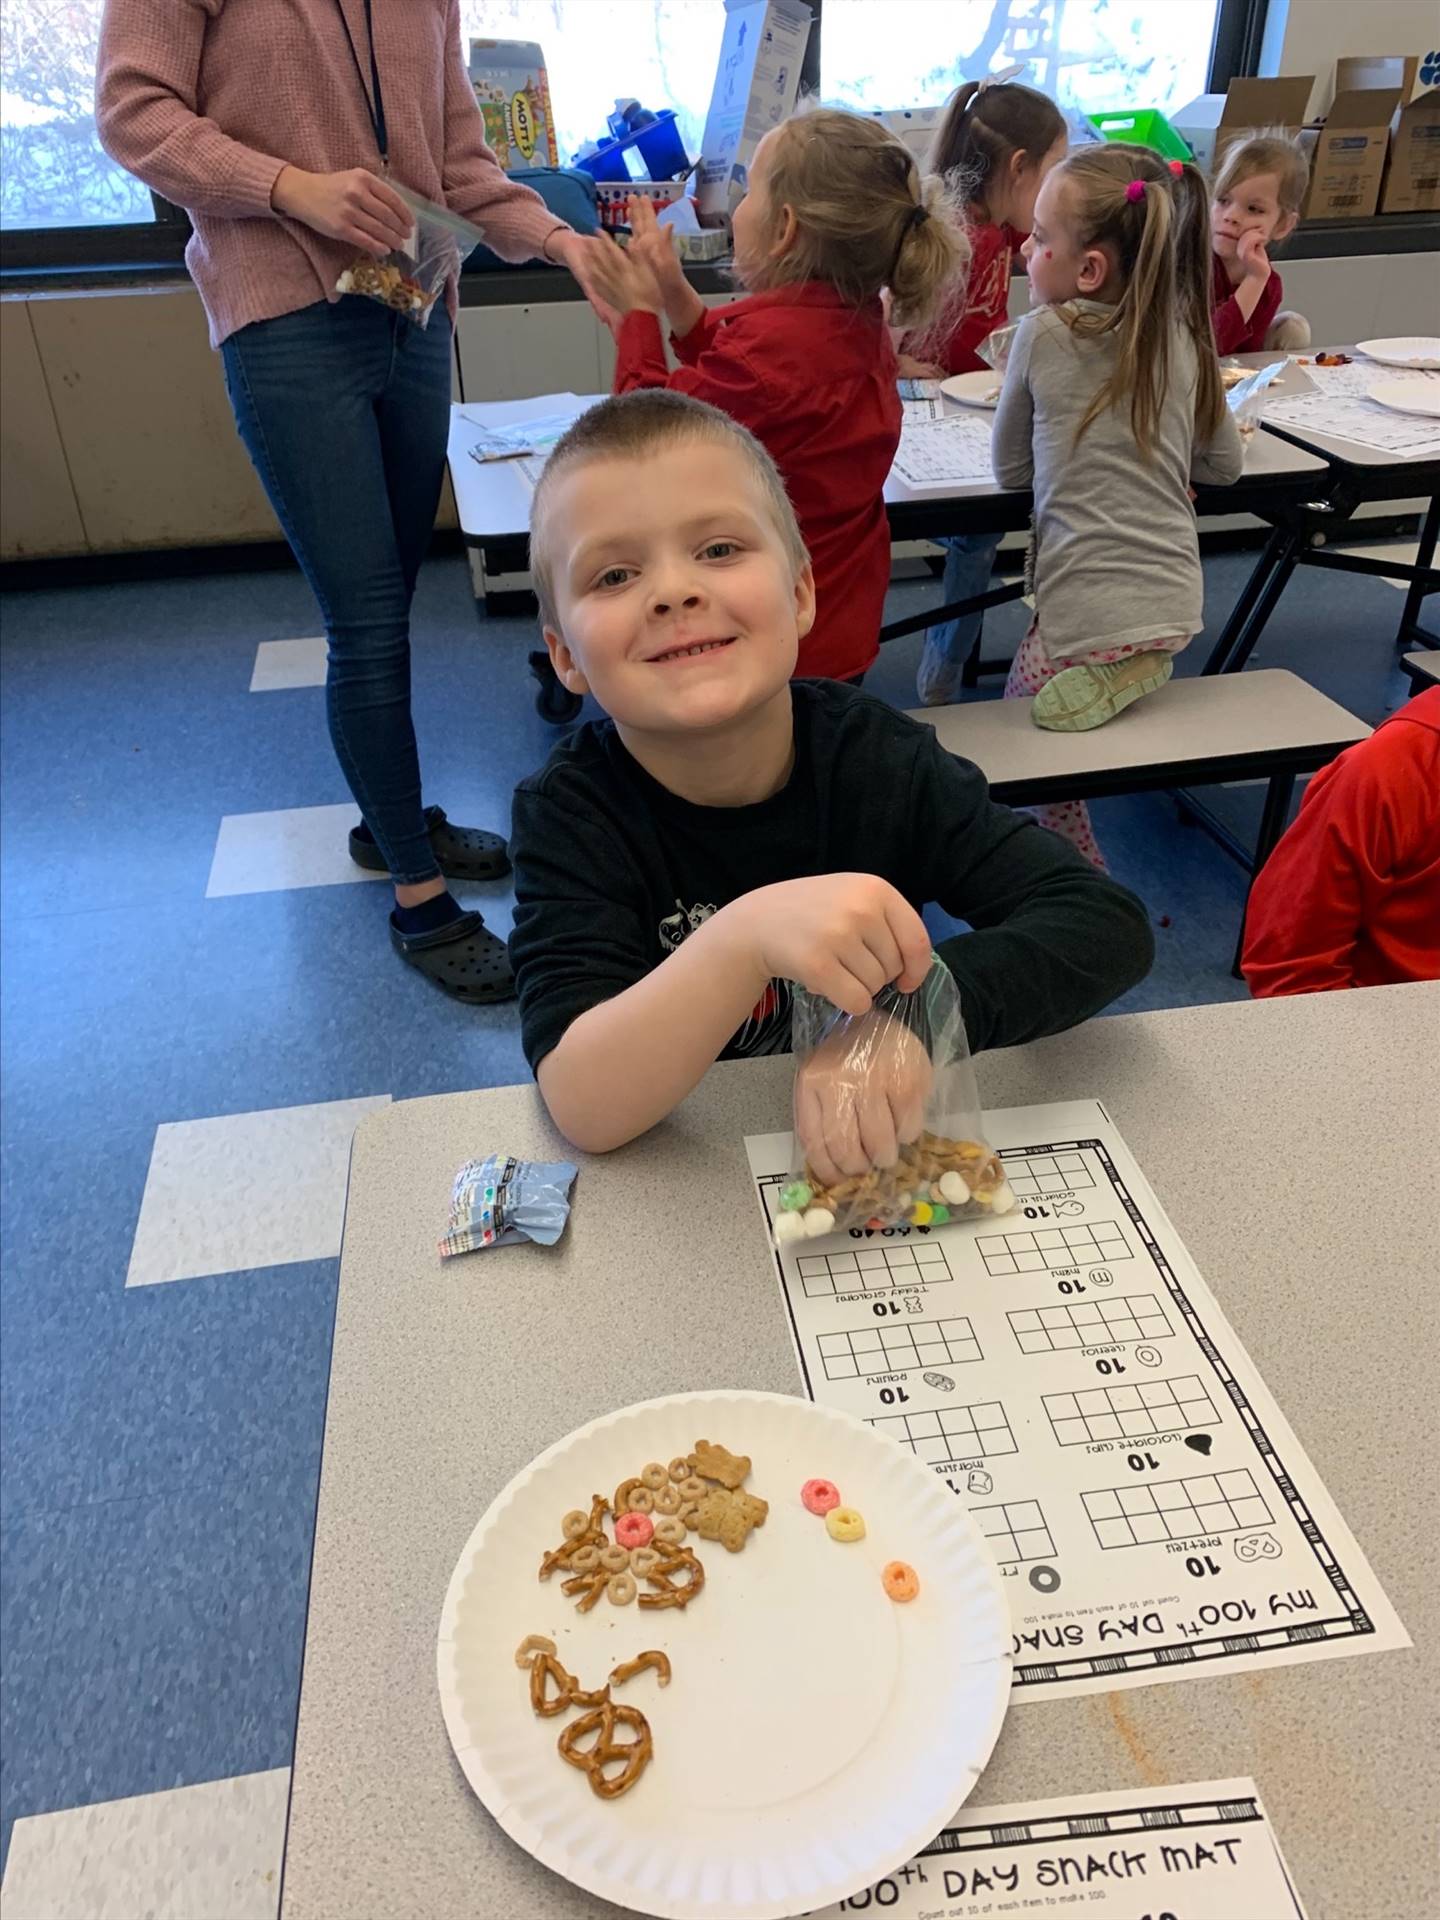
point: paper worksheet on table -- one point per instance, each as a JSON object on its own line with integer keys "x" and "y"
{"x": 1069, "y": 1374}
{"x": 1206, "y": 1851}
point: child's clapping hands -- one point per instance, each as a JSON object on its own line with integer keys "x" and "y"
{"x": 861, "y": 1096}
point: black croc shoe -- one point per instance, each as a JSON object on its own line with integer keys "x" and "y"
{"x": 462, "y": 853}
{"x": 463, "y": 957}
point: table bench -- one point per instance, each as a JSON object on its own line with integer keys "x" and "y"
{"x": 1269, "y": 725}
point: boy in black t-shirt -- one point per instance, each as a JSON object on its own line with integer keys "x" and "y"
{"x": 726, "y": 833}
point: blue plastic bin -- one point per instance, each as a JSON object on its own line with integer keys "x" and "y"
{"x": 658, "y": 147}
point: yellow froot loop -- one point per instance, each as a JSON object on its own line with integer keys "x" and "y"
{"x": 844, "y": 1523}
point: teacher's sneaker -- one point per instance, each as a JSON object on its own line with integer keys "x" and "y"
{"x": 1087, "y": 696}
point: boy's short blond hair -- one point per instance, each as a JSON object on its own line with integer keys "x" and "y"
{"x": 627, "y": 427}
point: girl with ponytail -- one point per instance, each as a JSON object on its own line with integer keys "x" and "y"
{"x": 1112, "y": 406}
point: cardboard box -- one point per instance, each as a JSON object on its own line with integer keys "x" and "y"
{"x": 1412, "y": 178}
{"x": 1213, "y": 120}
{"x": 514, "y": 96}
{"x": 755, "y": 87}
{"x": 1348, "y": 154}
{"x": 1361, "y": 72}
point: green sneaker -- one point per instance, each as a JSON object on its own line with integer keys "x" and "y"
{"x": 1087, "y": 696}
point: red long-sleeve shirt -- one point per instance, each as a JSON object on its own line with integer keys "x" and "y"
{"x": 814, "y": 381}
{"x": 987, "y": 302}
{"x": 1233, "y": 332}
{"x": 1351, "y": 896}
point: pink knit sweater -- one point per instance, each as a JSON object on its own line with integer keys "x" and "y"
{"x": 206, "y": 101}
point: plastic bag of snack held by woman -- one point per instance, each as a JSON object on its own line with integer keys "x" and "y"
{"x": 887, "y": 1117}
{"x": 412, "y": 278}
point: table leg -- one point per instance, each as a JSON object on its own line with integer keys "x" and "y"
{"x": 1282, "y": 542}
{"x": 1410, "y": 628}
{"x": 1273, "y": 816}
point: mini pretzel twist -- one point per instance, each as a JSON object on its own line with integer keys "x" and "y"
{"x": 599, "y": 1727}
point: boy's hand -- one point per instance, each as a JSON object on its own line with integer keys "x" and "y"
{"x": 843, "y": 935}
{"x": 1253, "y": 260}
{"x": 860, "y": 1096}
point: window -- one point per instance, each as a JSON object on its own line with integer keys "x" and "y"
{"x": 660, "y": 52}
{"x": 52, "y": 170}
{"x": 1089, "y": 54}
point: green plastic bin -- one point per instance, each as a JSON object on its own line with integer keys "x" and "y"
{"x": 1142, "y": 127}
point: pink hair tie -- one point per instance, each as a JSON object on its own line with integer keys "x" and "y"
{"x": 1135, "y": 191}
{"x": 1177, "y": 167}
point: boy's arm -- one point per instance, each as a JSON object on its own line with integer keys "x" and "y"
{"x": 1011, "y": 449}
{"x": 1054, "y": 940}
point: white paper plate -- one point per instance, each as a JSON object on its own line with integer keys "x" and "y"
{"x": 1409, "y": 396}
{"x": 814, "y": 1735}
{"x": 980, "y": 389}
{"x": 1405, "y": 350}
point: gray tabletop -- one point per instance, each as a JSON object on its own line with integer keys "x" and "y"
{"x": 1293, "y": 1143}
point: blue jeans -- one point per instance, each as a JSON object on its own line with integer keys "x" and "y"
{"x": 344, "y": 410}
{"x": 968, "y": 562}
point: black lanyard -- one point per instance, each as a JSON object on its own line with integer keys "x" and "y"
{"x": 374, "y": 99}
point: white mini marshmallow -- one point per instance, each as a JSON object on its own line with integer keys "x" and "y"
{"x": 818, "y": 1220}
{"x": 953, "y": 1190}
{"x": 789, "y": 1226}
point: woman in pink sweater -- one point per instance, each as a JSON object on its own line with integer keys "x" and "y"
{"x": 274, "y": 124}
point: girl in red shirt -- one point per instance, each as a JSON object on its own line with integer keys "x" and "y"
{"x": 1258, "y": 194}
{"x": 996, "y": 143}
{"x": 835, "y": 210}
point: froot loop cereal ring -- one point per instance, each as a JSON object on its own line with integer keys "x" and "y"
{"x": 620, "y": 1589}
{"x": 585, "y": 1559}
{"x": 845, "y": 1524}
{"x": 692, "y": 1488}
{"x": 668, "y": 1500}
{"x": 616, "y": 1559}
{"x": 574, "y": 1524}
{"x": 642, "y": 1500}
{"x": 654, "y": 1476}
{"x": 532, "y": 1644}
{"x": 670, "y": 1532}
{"x": 633, "y": 1530}
{"x": 900, "y": 1581}
{"x": 643, "y": 1562}
{"x": 820, "y": 1496}
{"x": 680, "y": 1468}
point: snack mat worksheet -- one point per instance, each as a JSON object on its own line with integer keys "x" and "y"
{"x": 1068, "y": 1373}
{"x": 1205, "y": 1852}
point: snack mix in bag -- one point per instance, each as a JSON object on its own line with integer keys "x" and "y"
{"x": 500, "y": 1200}
{"x": 887, "y": 1117}
{"x": 411, "y": 279}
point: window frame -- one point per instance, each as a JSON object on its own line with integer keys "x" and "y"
{"x": 141, "y": 246}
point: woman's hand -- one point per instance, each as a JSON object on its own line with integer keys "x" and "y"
{"x": 353, "y": 206}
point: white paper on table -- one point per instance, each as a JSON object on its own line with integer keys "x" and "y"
{"x": 936, "y": 453}
{"x": 912, "y": 412}
{"x": 1207, "y": 1852}
{"x": 1352, "y": 417}
{"x": 1069, "y": 1374}
{"x": 1357, "y": 377}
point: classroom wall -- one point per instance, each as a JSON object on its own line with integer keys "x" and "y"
{"x": 1309, "y": 36}
{"x": 116, "y": 433}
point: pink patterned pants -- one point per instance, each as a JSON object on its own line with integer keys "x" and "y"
{"x": 1029, "y": 671}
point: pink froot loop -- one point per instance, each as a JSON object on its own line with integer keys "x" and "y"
{"x": 819, "y": 1496}
{"x": 634, "y": 1530}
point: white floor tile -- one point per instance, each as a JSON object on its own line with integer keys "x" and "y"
{"x": 1403, "y": 550}
{"x": 294, "y": 847}
{"x": 245, "y": 1190}
{"x": 280, "y": 664}
{"x": 210, "y": 1852}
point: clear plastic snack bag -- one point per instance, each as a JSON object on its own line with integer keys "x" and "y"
{"x": 994, "y": 349}
{"x": 887, "y": 1117}
{"x": 412, "y": 278}
{"x": 1245, "y": 397}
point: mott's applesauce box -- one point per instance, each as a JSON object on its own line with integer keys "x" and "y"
{"x": 514, "y": 95}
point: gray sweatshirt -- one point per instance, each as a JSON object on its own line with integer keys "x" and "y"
{"x": 1116, "y": 558}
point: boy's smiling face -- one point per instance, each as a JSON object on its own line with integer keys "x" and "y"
{"x": 679, "y": 606}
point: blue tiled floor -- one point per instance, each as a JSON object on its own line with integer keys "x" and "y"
{"x": 161, "y": 1444}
